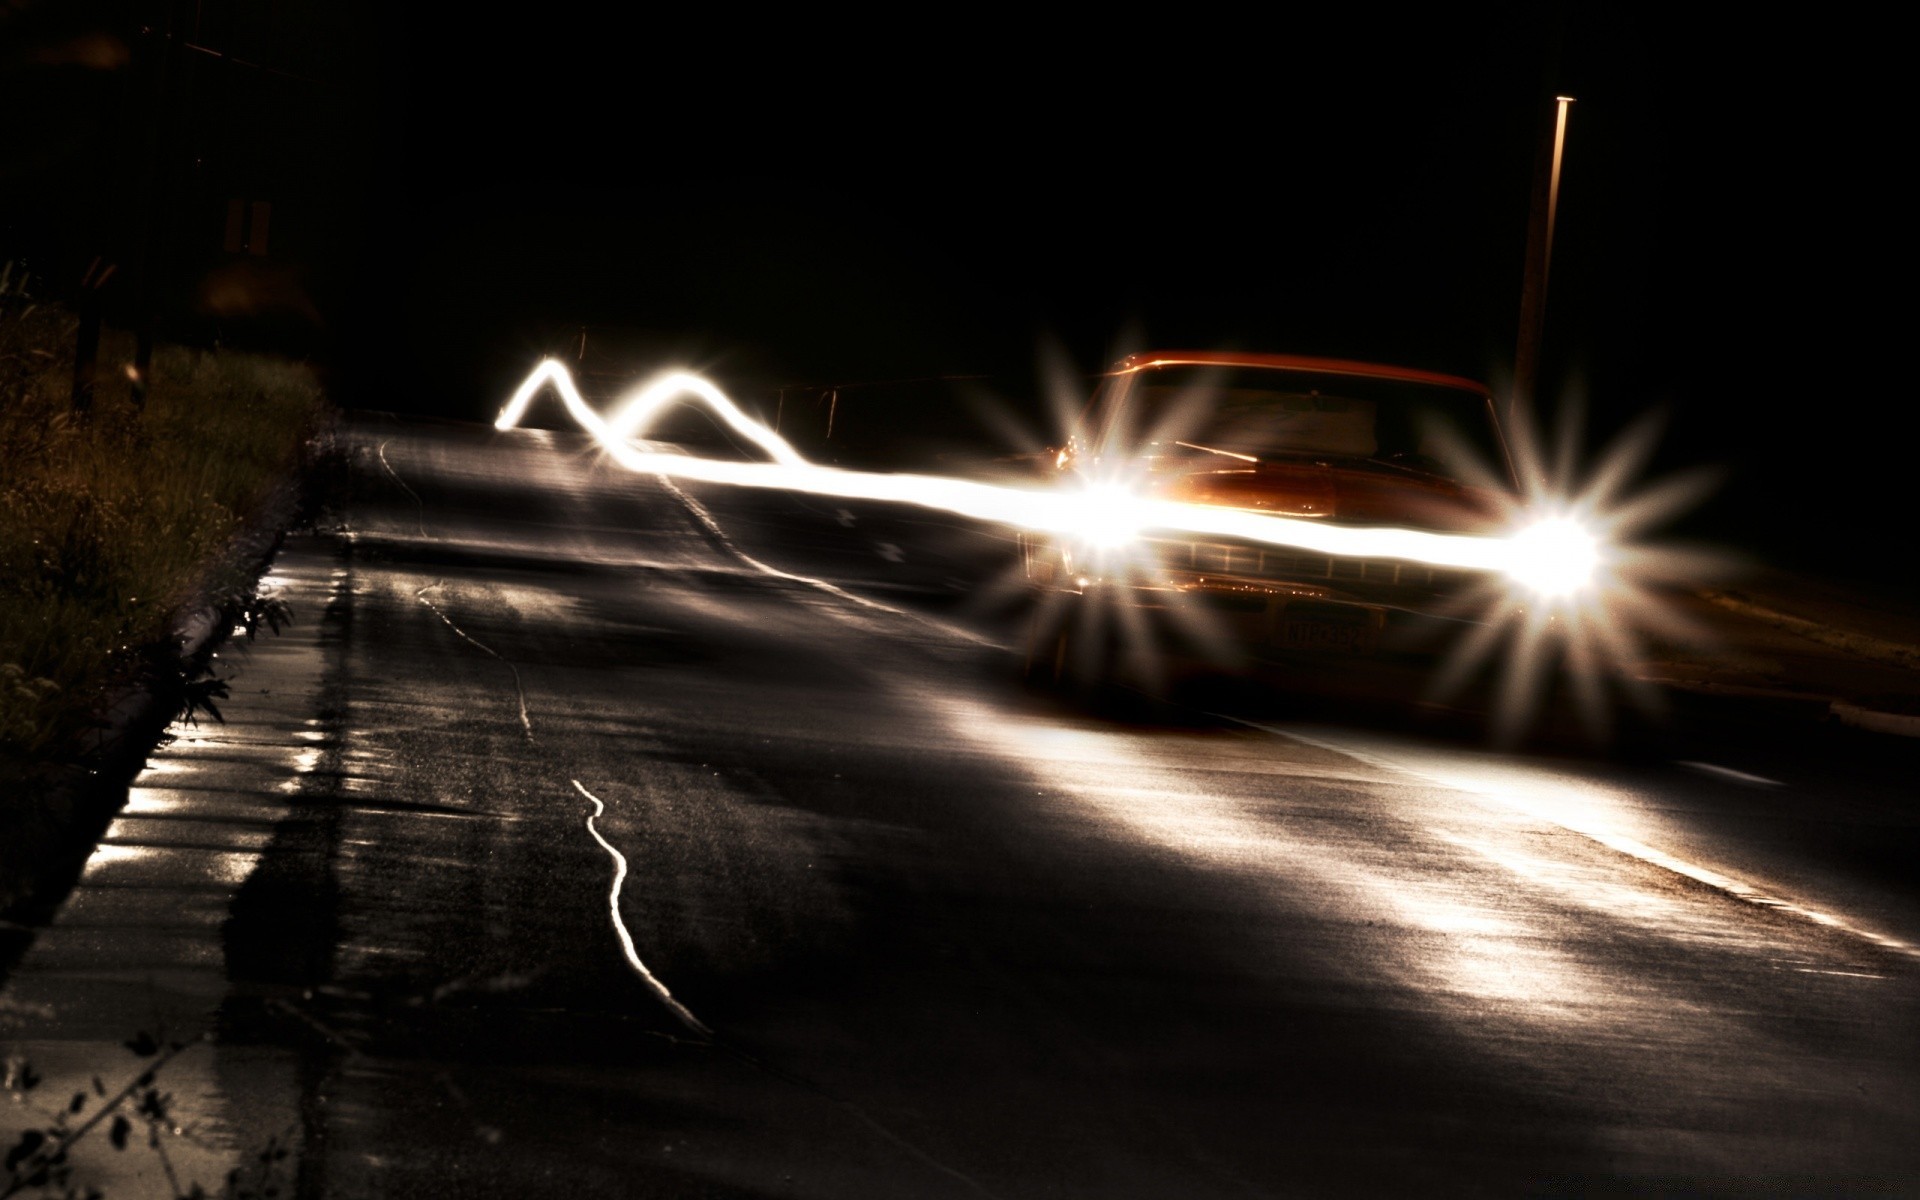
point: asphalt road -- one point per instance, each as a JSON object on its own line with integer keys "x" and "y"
{"x": 888, "y": 924}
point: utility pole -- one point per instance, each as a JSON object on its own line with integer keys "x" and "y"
{"x": 1533, "y": 287}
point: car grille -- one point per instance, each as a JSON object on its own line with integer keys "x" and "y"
{"x": 1278, "y": 564}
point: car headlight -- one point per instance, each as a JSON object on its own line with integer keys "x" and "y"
{"x": 1554, "y": 558}
{"x": 1107, "y": 517}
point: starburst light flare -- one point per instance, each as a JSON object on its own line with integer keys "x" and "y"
{"x": 1563, "y": 586}
{"x": 1586, "y": 601}
{"x": 1103, "y": 512}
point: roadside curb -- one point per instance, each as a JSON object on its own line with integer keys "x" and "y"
{"x": 1879, "y": 718}
{"x": 1895, "y": 715}
{"x": 68, "y": 807}
{"x": 1864, "y": 645}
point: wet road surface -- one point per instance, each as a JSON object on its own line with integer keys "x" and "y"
{"x": 594, "y": 835}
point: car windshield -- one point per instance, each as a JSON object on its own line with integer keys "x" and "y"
{"x": 1259, "y": 413}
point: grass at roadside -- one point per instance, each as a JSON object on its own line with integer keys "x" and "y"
{"x": 109, "y": 523}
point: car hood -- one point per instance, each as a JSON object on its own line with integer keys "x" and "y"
{"x": 1361, "y": 494}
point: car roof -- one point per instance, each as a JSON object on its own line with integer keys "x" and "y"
{"x": 1295, "y": 362}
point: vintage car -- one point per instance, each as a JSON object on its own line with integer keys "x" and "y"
{"x": 1325, "y": 441}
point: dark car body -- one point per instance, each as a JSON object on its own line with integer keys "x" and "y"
{"x": 1321, "y": 440}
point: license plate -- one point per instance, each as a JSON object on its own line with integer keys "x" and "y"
{"x": 1326, "y": 635}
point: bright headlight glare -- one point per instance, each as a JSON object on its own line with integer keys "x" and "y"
{"x": 1107, "y": 517}
{"x": 1554, "y": 557}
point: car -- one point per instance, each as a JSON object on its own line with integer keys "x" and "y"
{"x": 1328, "y": 442}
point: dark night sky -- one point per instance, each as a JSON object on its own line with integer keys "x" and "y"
{"x": 806, "y": 199}
{"x": 945, "y": 198}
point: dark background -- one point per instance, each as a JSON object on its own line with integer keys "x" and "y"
{"x": 810, "y": 199}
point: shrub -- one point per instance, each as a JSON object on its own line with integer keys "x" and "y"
{"x": 111, "y": 521}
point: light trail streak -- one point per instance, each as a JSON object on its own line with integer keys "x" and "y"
{"x": 620, "y": 925}
{"x": 1561, "y": 582}
{"x": 619, "y": 860}
{"x": 697, "y": 1027}
{"x": 1038, "y": 508}
{"x": 627, "y": 947}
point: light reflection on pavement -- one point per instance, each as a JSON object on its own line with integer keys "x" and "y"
{"x": 951, "y": 938}
{"x": 1618, "y": 819}
{"x": 1482, "y": 914}
{"x": 138, "y": 946}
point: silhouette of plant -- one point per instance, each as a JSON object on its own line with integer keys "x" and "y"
{"x": 139, "y": 1113}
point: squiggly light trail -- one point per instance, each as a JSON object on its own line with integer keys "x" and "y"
{"x": 1043, "y": 509}
{"x": 620, "y": 926}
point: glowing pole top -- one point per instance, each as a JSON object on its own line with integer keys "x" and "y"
{"x": 1533, "y": 286}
